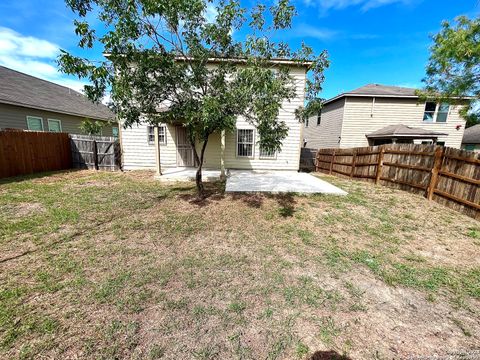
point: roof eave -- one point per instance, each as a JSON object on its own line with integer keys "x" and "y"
{"x": 56, "y": 110}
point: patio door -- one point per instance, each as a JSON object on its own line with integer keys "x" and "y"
{"x": 185, "y": 156}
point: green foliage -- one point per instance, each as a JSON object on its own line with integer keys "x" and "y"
{"x": 453, "y": 71}
{"x": 159, "y": 57}
{"x": 90, "y": 127}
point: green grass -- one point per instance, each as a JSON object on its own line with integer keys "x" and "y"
{"x": 111, "y": 265}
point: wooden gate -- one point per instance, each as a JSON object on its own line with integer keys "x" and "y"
{"x": 185, "y": 155}
{"x": 95, "y": 152}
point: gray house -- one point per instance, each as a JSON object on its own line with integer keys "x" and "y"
{"x": 377, "y": 114}
{"x": 30, "y": 103}
{"x": 471, "y": 139}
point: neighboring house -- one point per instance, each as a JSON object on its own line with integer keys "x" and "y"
{"x": 30, "y": 103}
{"x": 471, "y": 139}
{"x": 377, "y": 114}
{"x": 241, "y": 147}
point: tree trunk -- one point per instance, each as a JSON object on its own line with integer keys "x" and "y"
{"x": 198, "y": 177}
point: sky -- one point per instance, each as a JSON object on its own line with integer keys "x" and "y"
{"x": 368, "y": 41}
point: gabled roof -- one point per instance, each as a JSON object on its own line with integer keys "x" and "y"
{"x": 472, "y": 135}
{"x": 378, "y": 90}
{"x": 20, "y": 89}
{"x": 400, "y": 130}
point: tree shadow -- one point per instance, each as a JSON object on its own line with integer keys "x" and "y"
{"x": 252, "y": 200}
{"x": 287, "y": 203}
{"x": 328, "y": 355}
{"x": 214, "y": 191}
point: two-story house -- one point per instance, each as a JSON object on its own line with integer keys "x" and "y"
{"x": 376, "y": 114}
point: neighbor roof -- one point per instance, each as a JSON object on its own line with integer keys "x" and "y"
{"x": 472, "y": 135}
{"x": 20, "y": 89}
{"x": 378, "y": 90}
{"x": 400, "y": 130}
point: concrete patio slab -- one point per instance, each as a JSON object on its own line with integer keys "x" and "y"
{"x": 278, "y": 182}
{"x": 187, "y": 174}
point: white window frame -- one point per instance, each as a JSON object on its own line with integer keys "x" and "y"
{"x": 435, "y": 113}
{"x": 54, "y": 120}
{"x": 161, "y": 142}
{"x": 37, "y": 118}
{"x": 247, "y": 143}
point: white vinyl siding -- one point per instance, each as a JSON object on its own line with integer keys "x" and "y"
{"x": 34, "y": 123}
{"x": 359, "y": 120}
{"x": 54, "y": 125}
{"x": 138, "y": 154}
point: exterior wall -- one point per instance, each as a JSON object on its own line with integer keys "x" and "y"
{"x": 327, "y": 134}
{"x": 15, "y": 117}
{"x": 289, "y": 156}
{"x": 476, "y": 149}
{"x": 138, "y": 154}
{"x": 361, "y": 118}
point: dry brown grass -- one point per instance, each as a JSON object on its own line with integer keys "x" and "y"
{"x": 109, "y": 265}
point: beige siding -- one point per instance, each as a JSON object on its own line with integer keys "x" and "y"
{"x": 361, "y": 117}
{"x": 138, "y": 154}
{"x": 327, "y": 134}
{"x": 15, "y": 117}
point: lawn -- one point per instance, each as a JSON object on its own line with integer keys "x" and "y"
{"x": 117, "y": 265}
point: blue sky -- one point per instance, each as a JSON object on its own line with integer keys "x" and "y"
{"x": 369, "y": 41}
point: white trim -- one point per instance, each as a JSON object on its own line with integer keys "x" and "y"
{"x": 164, "y": 142}
{"x": 37, "y": 118}
{"x": 54, "y": 120}
{"x": 253, "y": 143}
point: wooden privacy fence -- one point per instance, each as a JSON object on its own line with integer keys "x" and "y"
{"x": 95, "y": 152}
{"x": 446, "y": 175}
{"x": 28, "y": 152}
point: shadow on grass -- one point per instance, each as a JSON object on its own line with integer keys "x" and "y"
{"x": 214, "y": 191}
{"x": 286, "y": 201}
{"x": 328, "y": 355}
{"x": 39, "y": 175}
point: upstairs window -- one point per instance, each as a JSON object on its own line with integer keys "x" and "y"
{"x": 319, "y": 118}
{"x": 245, "y": 142}
{"x": 436, "y": 112}
{"x": 34, "y": 123}
{"x": 306, "y": 122}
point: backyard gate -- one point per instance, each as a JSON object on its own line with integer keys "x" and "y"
{"x": 95, "y": 152}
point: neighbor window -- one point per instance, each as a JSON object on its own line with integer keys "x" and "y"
{"x": 470, "y": 147}
{"x": 245, "y": 142}
{"x": 436, "y": 112}
{"x": 306, "y": 122}
{"x": 162, "y": 135}
{"x": 319, "y": 118}
{"x": 54, "y": 125}
{"x": 34, "y": 123}
{"x": 115, "y": 131}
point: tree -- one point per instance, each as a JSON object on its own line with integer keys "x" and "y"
{"x": 453, "y": 71}
{"x": 90, "y": 127}
{"x": 158, "y": 68}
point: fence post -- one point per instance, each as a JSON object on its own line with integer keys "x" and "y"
{"x": 95, "y": 154}
{"x": 353, "y": 162}
{"x": 316, "y": 160}
{"x": 437, "y": 164}
{"x": 379, "y": 164}
{"x": 332, "y": 159}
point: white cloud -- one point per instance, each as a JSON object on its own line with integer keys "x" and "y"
{"x": 365, "y": 5}
{"x": 33, "y": 56}
{"x": 305, "y": 30}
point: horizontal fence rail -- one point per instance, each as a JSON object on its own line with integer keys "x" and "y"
{"x": 29, "y": 152}
{"x": 446, "y": 175}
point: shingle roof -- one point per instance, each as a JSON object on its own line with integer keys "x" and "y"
{"x": 472, "y": 135}
{"x": 378, "y": 90}
{"x": 17, "y": 88}
{"x": 404, "y": 131}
